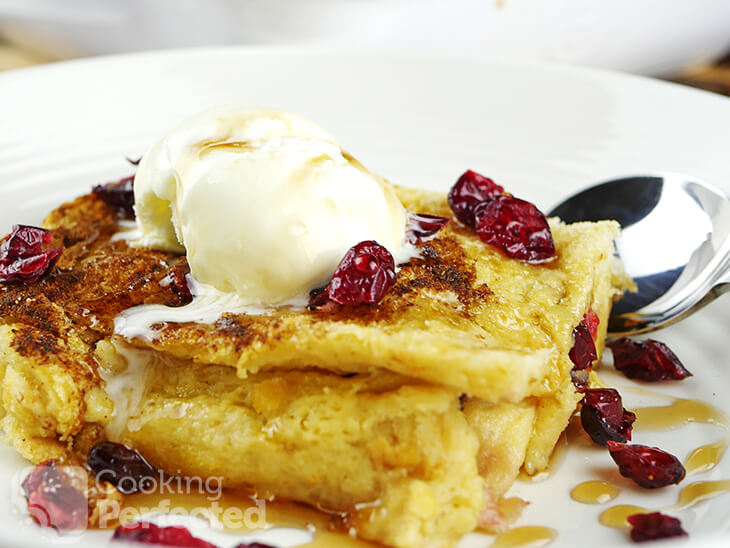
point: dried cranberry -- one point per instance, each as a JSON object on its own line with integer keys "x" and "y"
{"x": 40, "y": 473}
{"x": 592, "y": 320}
{"x": 24, "y": 241}
{"x": 178, "y": 282}
{"x": 517, "y": 228}
{"x": 582, "y": 354}
{"x": 363, "y": 276}
{"x": 654, "y": 526}
{"x": 470, "y": 190}
{"x": 22, "y": 257}
{"x": 121, "y": 466}
{"x": 647, "y": 360}
{"x": 603, "y": 416}
{"x": 318, "y": 298}
{"x": 149, "y": 533}
{"x": 650, "y": 467}
{"x": 422, "y": 225}
{"x": 52, "y": 499}
{"x": 64, "y": 508}
{"x": 254, "y": 545}
{"x": 134, "y": 161}
{"x": 118, "y": 194}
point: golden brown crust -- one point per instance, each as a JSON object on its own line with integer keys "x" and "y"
{"x": 460, "y": 314}
{"x": 97, "y": 278}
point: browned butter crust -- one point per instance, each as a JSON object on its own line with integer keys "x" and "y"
{"x": 96, "y": 279}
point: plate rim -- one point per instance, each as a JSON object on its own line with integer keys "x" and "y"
{"x": 323, "y": 50}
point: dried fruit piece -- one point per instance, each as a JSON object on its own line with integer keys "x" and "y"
{"x": 118, "y": 194}
{"x": 121, "y": 466}
{"x": 582, "y": 354}
{"x": 365, "y": 273}
{"x": 592, "y": 320}
{"x": 470, "y": 190}
{"x": 23, "y": 258}
{"x": 45, "y": 471}
{"x": 650, "y": 467}
{"x": 517, "y": 228}
{"x": 318, "y": 297}
{"x": 422, "y": 225}
{"x": 648, "y": 360}
{"x": 654, "y": 526}
{"x": 64, "y": 508}
{"x": 603, "y": 416}
{"x": 178, "y": 282}
{"x": 29, "y": 270}
{"x": 149, "y": 533}
{"x": 53, "y": 501}
{"x": 254, "y": 545}
{"x": 24, "y": 241}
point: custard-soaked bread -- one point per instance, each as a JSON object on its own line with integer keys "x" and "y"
{"x": 270, "y": 401}
{"x": 393, "y": 456}
{"x": 396, "y": 455}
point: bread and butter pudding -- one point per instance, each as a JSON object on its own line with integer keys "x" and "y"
{"x": 192, "y": 337}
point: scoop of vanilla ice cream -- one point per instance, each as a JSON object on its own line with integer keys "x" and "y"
{"x": 264, "y": 203}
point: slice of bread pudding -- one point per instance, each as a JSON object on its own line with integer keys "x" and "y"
{"x": 409, "y": 418}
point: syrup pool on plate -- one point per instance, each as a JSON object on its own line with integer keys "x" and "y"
{"x": 615, "y": 516}
{"x": 706, "y": 457}
{"x": 244, "y": 518}
{"x": 595, "y": 492}
{"x": 530, "y": 536}
{"x": 677, "y": 413}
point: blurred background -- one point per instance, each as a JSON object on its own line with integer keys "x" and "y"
{"x": 683, "y": 40}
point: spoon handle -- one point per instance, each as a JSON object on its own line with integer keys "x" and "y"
{"x": 722, "y": 279}
{"x": 723, "y": 283}
{"x": 710, "y": 286}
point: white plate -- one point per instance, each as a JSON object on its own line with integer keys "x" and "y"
{"x": 541, "y": 131}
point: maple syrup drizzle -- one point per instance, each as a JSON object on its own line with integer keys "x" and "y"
{"x": 531, "y": 536}
{"x": 328, "y": 539}
{"x": 692, "y": 494}
{"x": 699, "y": 491}
{"x": 615, "y": 516}
{"x": 595, "y": 492}
{"x": 276, "y": 514}
{"x": 705, "y": 458}
{"x": 678, "y": 413}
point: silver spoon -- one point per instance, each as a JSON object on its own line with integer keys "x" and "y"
{"x": 675, "y": 244}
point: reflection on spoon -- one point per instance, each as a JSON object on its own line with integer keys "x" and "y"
{"x": 675, "y": 244}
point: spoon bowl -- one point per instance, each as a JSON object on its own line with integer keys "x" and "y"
{"x": 674, "y": 243}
